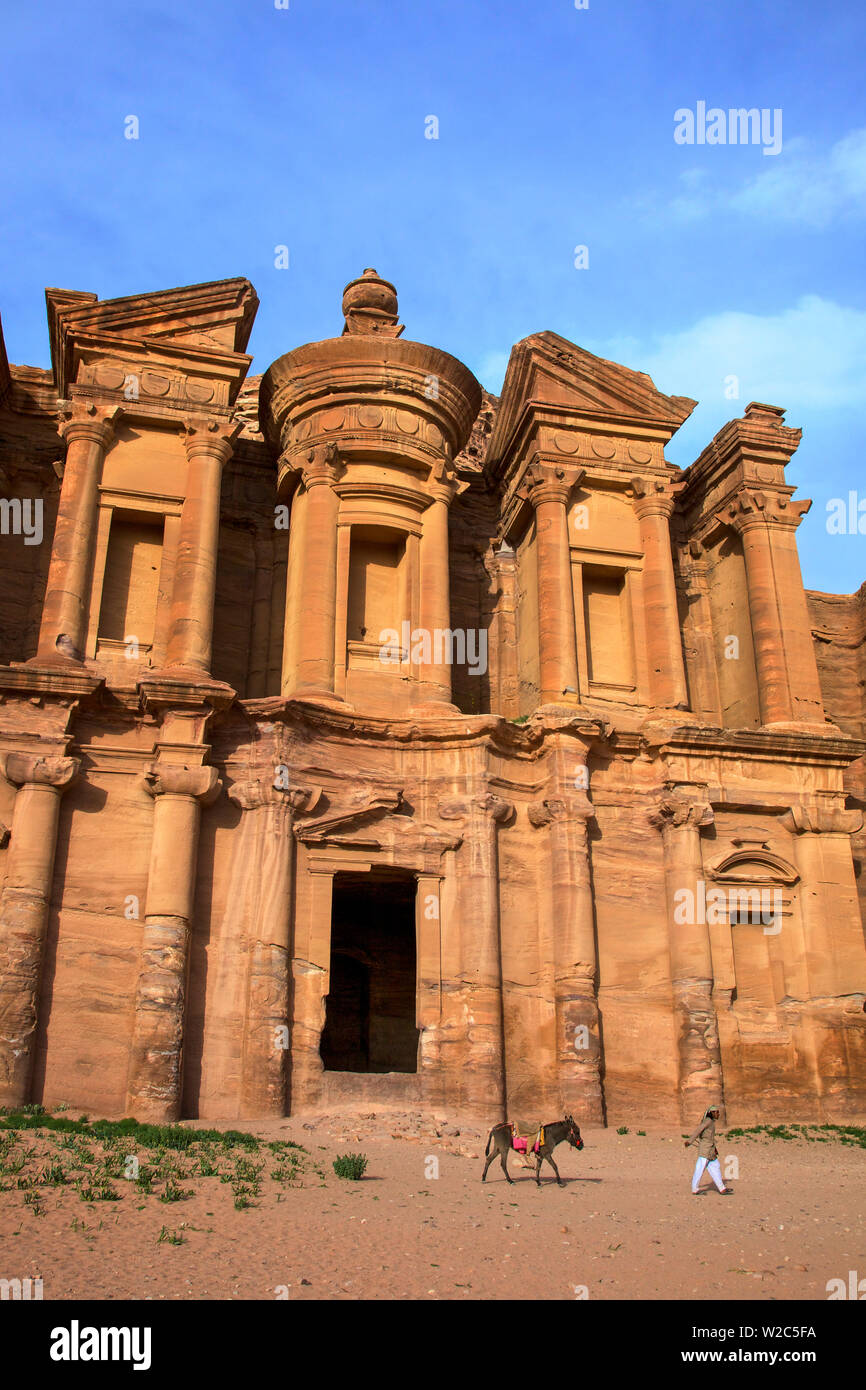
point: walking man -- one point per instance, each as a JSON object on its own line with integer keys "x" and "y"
{"x": 708, "y": 1155}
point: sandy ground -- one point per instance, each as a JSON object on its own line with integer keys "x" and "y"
{"x": 624, "y": 1226}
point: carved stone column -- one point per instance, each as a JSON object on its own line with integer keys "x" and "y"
{"x": 485, "y": 1081}
{"x": 834, "y": 949}
{"x": 767, "y": 630}
{"x": 190, "y": 633}
{"x": 315, "y": 586}
{"x": 311, "y": 962}
{"x": 788, "y": 685}
{"x": 24, "y": 911}
{"x": 653, "y": 507}
{"x": 548, "y": 491}
{"x": 155, "y": 1075}
{"x": 267, "y": 842}
{"x": 434, "y": 677}
{"x": 680, "y": 816}
{"x": 63, "y": 631}
{"x": 503, "y": 571}
{"x": 428, "y": 1015}
{"x": 578, "y": 1042}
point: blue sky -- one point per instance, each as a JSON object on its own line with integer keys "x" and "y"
{"x": 261, "y": 127}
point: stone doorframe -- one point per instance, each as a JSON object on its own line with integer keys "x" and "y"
{"x": 347, "y": 842}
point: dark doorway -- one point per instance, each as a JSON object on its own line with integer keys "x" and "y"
{"x": 370, "y": 1008}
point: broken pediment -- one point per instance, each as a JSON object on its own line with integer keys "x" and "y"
{"x": 549, "y": 371}
{"x": 216, "y": 317}
{"x": 377, "y": 824}
{"x": 349, "y": 816}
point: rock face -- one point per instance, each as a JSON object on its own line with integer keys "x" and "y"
{"x": 368, "y": 740}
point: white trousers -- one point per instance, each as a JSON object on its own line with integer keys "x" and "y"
{"x": 715, "y": 1171}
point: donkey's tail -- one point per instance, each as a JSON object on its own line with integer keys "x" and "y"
{"x": 489, "y": 1140}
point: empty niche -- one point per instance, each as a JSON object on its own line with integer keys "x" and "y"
{"x": 609, "y": 649}
{"x": 375, "y": 598}
{"x": 131, "y": 582}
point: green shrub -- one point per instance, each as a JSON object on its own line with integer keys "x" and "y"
{"x": 350, "y": 1166}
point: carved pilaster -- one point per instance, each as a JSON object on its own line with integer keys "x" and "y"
{"x": 24, "y": 910}
{"x": 260, "y": 913}
{"x": 788, "y": 686}
{"x": 155, "y": 1076}
{"x": 312, "y": 588}
{"x": 680, "y": 815}
{"x": 834, "y": 956}
{"x": 548, "y": 489}
{"x": 478, "y": 892}
{"x": 572, "y": 932}
{"x": 87, "y": 429}
{"x": 653, "y": 505}
{"x": 433, "y": 691}
{"x": 190, "y": 632}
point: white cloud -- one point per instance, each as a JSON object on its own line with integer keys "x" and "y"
{"x": 802, "y": 186}
{"x": 812, "y": 355}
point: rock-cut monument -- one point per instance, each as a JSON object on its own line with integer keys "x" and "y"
{"x": 367, "y": 739}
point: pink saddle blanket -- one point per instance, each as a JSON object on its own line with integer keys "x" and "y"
{"x": 518, "y": 1143}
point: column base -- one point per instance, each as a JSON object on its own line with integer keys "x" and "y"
{"x": 801, "y": 726}
{"x": 53, "y": 658}
{"x": 173, "y": 683}
{"x": 432, "y": 709}
{"x": 59, "y": 677}
{"x": 555, "y": 697}
{"x": 562, "y": 708}
{"x": 311, "y": 695}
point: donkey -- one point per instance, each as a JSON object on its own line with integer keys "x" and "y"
{"x": 500, "y": 1137}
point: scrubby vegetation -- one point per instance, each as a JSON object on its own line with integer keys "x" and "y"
{"x": 351, "y": 1166}
{"x": 104, "y": 1160}
{"x": 815, "y": 1134}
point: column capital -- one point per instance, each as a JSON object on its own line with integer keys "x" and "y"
{"x": 256, "y": 792}
{"x": 485, "y": 804}
{"x": 683, "y": 806}
{"x": 443, "y": 483}
{"x": 84, "y": 419}
{"x": 654, "y": 496}
{"x": 822, "y": 819}
{"x": 322, "y": 466}
{"x": 750, "y": 508}
{"x": 35, "y": 769}
{"x": 549, "y": 482}
{"x": 215, "y": 438}
{"x": 561, "y": 809}
{"x": 169, "y": 779}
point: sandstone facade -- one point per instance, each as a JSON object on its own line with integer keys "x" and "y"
{"x": 367, "y": 738}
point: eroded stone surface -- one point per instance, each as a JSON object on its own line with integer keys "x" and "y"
{"x": 495, "y": 659}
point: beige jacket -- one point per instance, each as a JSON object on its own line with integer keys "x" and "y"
{"x": 705, "y": 1137}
